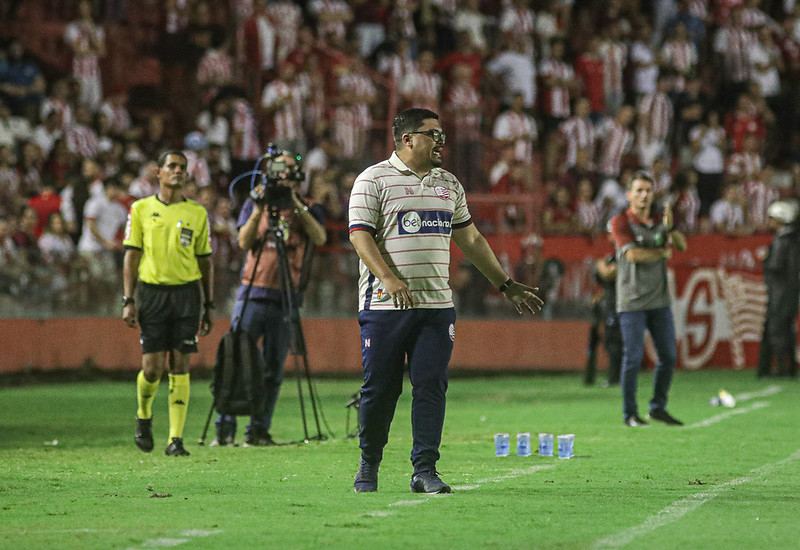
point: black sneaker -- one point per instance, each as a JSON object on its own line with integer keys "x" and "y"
{"x": 144, "y": 434}
{"x": 226, "y": 433}
{"x": 663, "y": 416}
{"x": 635, "y": 421}
{"x": 428, "y": 482}
{"x": 258, "y": 437}
{"x": 176, "y": 448}
{"x": 366, "y": 477}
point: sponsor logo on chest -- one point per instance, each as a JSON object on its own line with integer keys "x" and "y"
{"x": 410, "y": 222}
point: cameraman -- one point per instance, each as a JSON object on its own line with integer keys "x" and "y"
{"x": 264, "y": 314}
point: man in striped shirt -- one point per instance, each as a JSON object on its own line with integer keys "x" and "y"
{"x": 403, "y": 213}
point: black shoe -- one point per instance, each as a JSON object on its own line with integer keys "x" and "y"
{"x": 366, "y": 477}
{"x": 176, "y": 448}
{"x": 144, "y": 434}
{"x": 635, "y": 421}
{"x": 663, "y": 416}
{"x": 226, "y": 433}
{"x": 258, "y": 437}
{"x": 428, "y": 482}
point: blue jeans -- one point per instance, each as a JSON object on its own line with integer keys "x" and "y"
{"x": 264, "y": 320}
{"x": 425, "y": 337}
{"x": 662, "y": 329}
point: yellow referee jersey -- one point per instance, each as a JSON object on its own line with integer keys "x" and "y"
{"x": 171, "y": 237}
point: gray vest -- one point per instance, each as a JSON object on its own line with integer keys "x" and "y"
{"x": 642, "y": 286}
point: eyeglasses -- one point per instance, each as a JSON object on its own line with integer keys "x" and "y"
{"x": 436, "y": 135}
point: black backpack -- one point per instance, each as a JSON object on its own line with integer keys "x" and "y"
{"x": 238, "y": 386}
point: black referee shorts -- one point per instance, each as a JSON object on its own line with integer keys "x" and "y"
{"x": 169, "y": 317}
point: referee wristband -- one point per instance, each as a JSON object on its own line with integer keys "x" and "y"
{"x": 505, "y": 286}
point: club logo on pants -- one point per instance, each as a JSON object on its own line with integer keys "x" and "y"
{"x": 452, "y": 331}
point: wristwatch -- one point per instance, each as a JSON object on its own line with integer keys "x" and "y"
{"x": 127, "y": 300}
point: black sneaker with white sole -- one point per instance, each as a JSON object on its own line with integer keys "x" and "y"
{"x": 428, "y": 482}
{"x": 635, "y": 421}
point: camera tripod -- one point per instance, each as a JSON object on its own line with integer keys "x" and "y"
{"x": 291, "y": 316}
{"x": 297, "y": 341}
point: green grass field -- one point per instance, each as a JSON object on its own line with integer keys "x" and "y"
{"x": 71, "y": 477}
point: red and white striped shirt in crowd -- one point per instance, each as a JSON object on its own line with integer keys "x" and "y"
{"x": 397, "y": 66}
{"x": 615, "y": 59}
{"x": 215, "y": 67}
{"x": 422, "y": 90}
{"x": 580, "y": 134}
{"x": 289, "y": 18}
{"x": 323, "y": 8}
{"x": 364, "y": 94}
{"x": 82, "y": 140}
{"x": 556, "y": 98}
{"x": 62, "y": 108}
{"x": 699, "y": 8}
{"x": 588, "y": 215}
{"x": 314, "y": 109}
{"x": 734, "y": 43}
{"x": 118, "y": 116}
{"x": 353, "y": 119}
{"x": 687, "y": 210}
{"x": 245, "y": 130}
{"x": 682, "y": 57}
{"x": 287, "y": 120}
{"x": 519, "y": 128}
{"x": 197, "y": 168}
{"x": 617, "y": 140}
{"x": 753, "y": 18}
{"x": 519, "y": 23}
{"x": 177, "y": 18}
{"x": 729, "y": 214}
{"x": 746, "y": 166}
{"x": 759, "y": 196}
{"x": 463, "y": 103}
{"x": 83, "y": 38}
{"x": 657, "y": 108}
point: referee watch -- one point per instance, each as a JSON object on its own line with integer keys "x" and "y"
{"x": 127, "y": 300}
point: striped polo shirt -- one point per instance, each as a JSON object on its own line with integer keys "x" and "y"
{"x": 411, "y": 219}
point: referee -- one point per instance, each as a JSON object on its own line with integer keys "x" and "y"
{"x": 167, "y": 245}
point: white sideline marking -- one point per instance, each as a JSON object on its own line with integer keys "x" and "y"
{"x": 186, "y": 536}
{"x": 680, "y": 508}
{"x": 511, "y": 475}
{"x": 766, "y": 392}
{"x": 727, "y": 414}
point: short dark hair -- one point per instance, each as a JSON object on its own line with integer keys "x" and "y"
{"x": 162, "y": 158}
{"x": 640, "y": 175}
{"x": 410, "y": 120}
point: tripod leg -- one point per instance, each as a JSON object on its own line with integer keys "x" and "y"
{"x": 202, "y": 439}
{"x": 300, "y": 396}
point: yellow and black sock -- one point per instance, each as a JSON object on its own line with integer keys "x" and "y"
{"x": 178, "y": 403}
{"x": 145, "y": 392}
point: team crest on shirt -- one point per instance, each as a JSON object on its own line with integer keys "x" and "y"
{"x": 411, "y": 222}
{"x": 186, "y": 236}
{"x": 442, "y": 192}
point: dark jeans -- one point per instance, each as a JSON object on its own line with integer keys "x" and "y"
{"x": 662, "y": 329}
{"x": 265, "y": 319}
{"x": 425, "y": 337}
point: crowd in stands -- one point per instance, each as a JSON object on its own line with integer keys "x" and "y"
{"x": 554, "y": 99}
